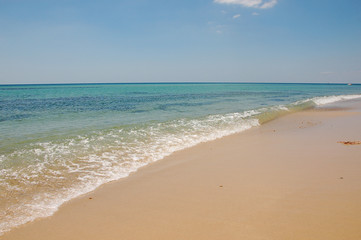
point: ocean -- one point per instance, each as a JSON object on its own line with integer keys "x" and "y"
{"x": 60, "y": 141}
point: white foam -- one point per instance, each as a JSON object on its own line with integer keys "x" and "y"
{"x": 331, "y": 99}
{"x": 77, "y": 166}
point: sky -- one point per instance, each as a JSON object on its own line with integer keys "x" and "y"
{"x": 64, "y": 41}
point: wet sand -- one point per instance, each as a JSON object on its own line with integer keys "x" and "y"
{"x": 291, "y": 178}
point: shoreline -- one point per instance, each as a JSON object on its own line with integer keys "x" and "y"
{"x": 174, "y": 198}
{"x": 120, "y": 153}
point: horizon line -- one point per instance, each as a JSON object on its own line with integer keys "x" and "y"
{"x": 109, "y": 83}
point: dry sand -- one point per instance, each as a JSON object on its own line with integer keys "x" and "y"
{"x": 288, "y": 179}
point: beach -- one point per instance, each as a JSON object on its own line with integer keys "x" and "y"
{"x": 180, "y": 120}
{"x": 290, "y": 178}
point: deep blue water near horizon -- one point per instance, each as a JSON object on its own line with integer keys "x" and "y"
{"x": 58, "y": 141}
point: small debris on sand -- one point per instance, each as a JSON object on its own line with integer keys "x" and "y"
{"x": 220, "y": 185}
{"x": 306, "y": 124}
{"x": 90, "y": 198}
{"x": 350, "y": 142}
{"x": 341, "y": 177}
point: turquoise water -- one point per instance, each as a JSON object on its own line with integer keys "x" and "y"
{"x": 60, "y": 141}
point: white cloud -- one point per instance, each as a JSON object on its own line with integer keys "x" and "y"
{"x": 236, "y": 16}
{"x": 220, "y": 29}
{"x": 246, "y": 3}
{"x": 250, "y": 3}
{"x": 269, "y": 4}
{"x": 255, "y": 13}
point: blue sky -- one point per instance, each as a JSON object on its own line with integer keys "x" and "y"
{"x": 67, "y": 41}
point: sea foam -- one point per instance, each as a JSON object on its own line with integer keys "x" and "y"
{"x": 331, "y": 99}
{"x": 57, "y": 171}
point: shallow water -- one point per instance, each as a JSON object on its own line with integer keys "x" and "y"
{"x": 60, "y": 141}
